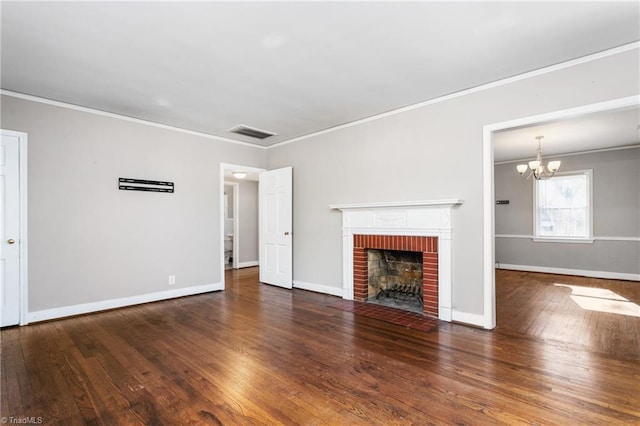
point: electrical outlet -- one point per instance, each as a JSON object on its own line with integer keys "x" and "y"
{"x": 172, "y": 279}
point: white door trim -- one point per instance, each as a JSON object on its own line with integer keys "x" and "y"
{"x": 223, "y": 168}
{"x": 488, "y": 195}
{"x": 22, "y": 182}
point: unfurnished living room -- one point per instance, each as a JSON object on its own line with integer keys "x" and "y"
{"x": 320, "y": 213}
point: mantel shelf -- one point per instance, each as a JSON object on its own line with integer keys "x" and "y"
{"x": 420, "y": 203}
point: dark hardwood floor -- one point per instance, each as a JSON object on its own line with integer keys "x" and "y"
{"x": 257, "y": 354}
{"x": 598, "y": 315}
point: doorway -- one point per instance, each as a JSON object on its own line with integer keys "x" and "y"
{"x": 238, "y": 217}
{"x": 231, "y": 224}
{"x": 489, "y": 203}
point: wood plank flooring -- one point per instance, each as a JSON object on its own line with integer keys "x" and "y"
{"x": 257, "y": 354}
{"x": 599, "y": 315}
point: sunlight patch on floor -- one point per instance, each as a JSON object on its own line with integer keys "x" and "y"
{"x": 601, "y": 300}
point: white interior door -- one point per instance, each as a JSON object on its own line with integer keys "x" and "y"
{"x": 9, "y": 230}
{"x": 275, "y": 216}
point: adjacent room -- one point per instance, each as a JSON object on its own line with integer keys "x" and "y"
{"x": 320, "y": 213}
{"x": 571, "y": 230}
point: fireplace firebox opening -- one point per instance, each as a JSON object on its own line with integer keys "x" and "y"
{"x": 395, "y": 279}
{"x": 425, "y": 246}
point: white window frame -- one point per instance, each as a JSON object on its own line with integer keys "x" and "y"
{"x": 589, "y": 237}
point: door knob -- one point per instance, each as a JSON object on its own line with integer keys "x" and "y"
{"x": 286, "y": 233}
{"x": 11, "y": 241}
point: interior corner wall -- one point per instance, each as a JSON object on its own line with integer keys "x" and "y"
{"x": 616, "y": 217}
{"x": 248, "y": 206}
{"x": 90, "y": 242}
{"x": 431, "y": 152}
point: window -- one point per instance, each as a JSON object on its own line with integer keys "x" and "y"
{"x": 562, "y": 207}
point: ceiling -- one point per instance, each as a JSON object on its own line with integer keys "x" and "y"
{"x": 601, "y": 130}
{"x": 292, "y": 68}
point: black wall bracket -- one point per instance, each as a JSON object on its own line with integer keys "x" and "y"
{"x": 128, "y": 184}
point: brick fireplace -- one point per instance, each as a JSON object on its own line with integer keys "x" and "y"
{"x": 427, "y": 246}
{"x": 422, "y": 226}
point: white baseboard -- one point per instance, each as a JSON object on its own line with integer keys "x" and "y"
{"x": 248, "y": 264}
{"x": 468, "y": 318}
{"x": 463, "y": 317}
{"x": 319, "y": 288}
{"x": 595, "y": 238}
{"x": 85, "y": 308}
{"x": 565, "y": 271}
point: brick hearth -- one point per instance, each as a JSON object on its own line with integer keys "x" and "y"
{"x": 427, "y": 245}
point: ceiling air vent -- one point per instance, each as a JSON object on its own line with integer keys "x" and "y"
{"x": 252, "y": 132}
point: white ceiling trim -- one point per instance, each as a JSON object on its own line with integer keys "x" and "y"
{"x": 497, "y": 83}
{"x": 487, "y": 86}
{"x": 592, "y": 151}
{"x": 122, "y": 117}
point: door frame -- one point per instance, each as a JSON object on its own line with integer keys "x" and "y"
{"x": 488, "y": 185}
{"x": 22, "y": 232}
{"x": 224, "y": 167}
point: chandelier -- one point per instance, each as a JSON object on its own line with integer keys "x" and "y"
{"x": 536, "y": 168}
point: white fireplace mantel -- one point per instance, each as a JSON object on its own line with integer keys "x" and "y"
{"x": 430, "y": 218}
{"x": 386, "y": 204}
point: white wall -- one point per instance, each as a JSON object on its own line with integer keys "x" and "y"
{"x": 90, "y": 242}
{"x": 431, "y": 152}
{"x": 616, "y": 214}
{"x": 248, "y": 212}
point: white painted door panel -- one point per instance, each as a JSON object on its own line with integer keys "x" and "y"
{"x": 9, "y": 231}
{"x": 275, "y": 227}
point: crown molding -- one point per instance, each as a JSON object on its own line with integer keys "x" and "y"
{"x": 487, "y": 86}
{"x": 571, "y": 154}
{"x": 122, "y": 117}
{"x": 498, "y": 83}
